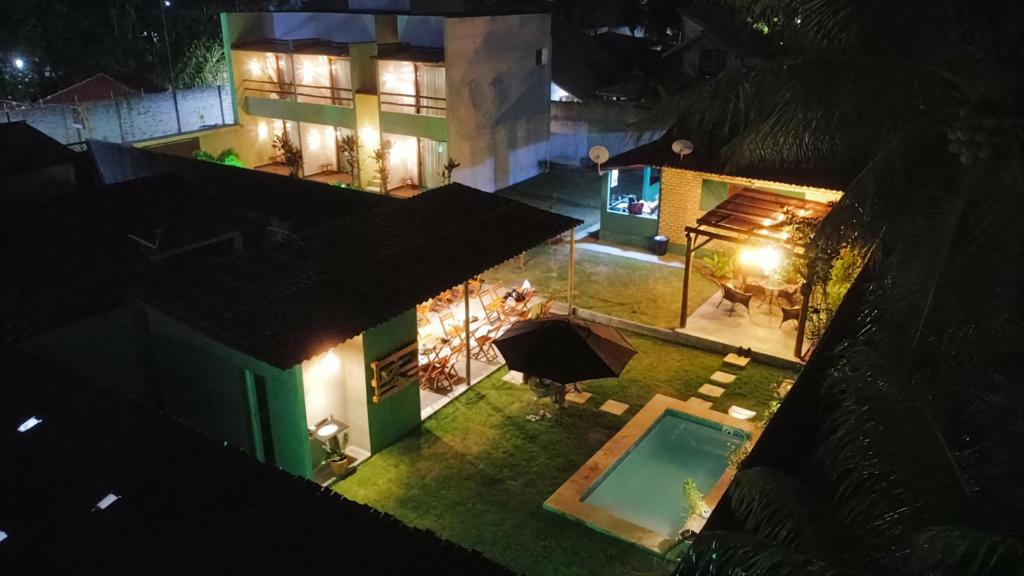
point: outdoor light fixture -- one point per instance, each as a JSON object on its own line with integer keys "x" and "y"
{"x": 326, "y": 365}
{"x": 19, "y": 63}
{"x": 767, "y": 258}
{"x": 254, "y": 67}
{"x": 3, "y": 535}
{"x": 261, "y": 130}
{"x": 369, "y": 136}
{"x": 313, "y": 139}
{"x": 29, "y": 424}
{"x": 106, "y": 501}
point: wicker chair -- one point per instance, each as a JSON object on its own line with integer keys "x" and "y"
{"x": 789, "y": 313}
{"x": 734, "y": 296}
{"x": 755, "y": 289}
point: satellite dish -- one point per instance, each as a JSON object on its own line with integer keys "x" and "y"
{"x": 682, "y": 147}
{"x": 598, "y": 155}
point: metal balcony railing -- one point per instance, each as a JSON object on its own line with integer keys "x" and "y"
{"x": 299, "y": 92}
{"x": 415, "y": 104}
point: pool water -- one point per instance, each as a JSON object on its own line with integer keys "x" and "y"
{"x": 645, "y": 486}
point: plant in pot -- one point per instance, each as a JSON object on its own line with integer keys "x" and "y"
{"x": 288, "y": 154}
{"x": 338, "y": 461}
{"x": 348, "y": 149}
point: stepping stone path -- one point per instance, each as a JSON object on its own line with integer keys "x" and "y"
{"x": 711, "y": 390}
{"x": 736, "y": 361}
{"x": 784, "y": 386}
{"x": 578, "y": 397}
{"x": 720, "y": 377}
{"x": 614, "y": 407}
{"x": 699, "y": 402}
{"x": 513, "y": 377}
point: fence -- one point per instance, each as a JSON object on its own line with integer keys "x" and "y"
{"x": 142, "y": 117}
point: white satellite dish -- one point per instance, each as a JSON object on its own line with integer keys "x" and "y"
{"x": 598, "y": 155}
{"x": 682, "y": 147}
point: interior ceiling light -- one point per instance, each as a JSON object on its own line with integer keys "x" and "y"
{"x": 106, "y": 501}
{"x": 29, "y": 424}
{"x": 3, "y": 535}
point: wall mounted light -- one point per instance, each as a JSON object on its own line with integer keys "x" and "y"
{"x": 262, "y": 131}
{"x": 27, "y": 425}
{"x": 254, "y": 67}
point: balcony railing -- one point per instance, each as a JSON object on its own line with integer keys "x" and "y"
{"x": 414, "y": 104}
{"x": 300, "y": 92}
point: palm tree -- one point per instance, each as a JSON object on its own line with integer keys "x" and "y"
{"x": 906, "y": 429}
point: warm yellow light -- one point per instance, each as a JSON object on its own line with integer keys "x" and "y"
{"x": 766, "y": 258}
{"x": 313, "y": 139}
{"x": 404, "y": 150}
{"x": 329, "y": 364}
{"x": 398, "y": 77}
{"x": 369, "y": 136}
{"x": 526, "y": 286}
{"x": 254, "y": 67}
{"x": 261, "y": 130}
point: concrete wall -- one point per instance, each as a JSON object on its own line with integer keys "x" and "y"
{"x": 131, "y": 119}
{"x": 498, "y": 98}
{"x": 204, "y": 383}
{"x": 578, "y": 126}
{"x": 341, "y": 394}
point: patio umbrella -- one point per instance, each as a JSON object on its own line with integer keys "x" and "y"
{"x": 564, "y": 349}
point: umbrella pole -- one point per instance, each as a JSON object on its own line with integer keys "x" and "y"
{"x": 469, "y": 369}
{"x": 572, "y": 266}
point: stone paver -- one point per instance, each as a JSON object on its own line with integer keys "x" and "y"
{"x": 720, "y": 377}
{"x": 784, "y": 386}
{"x": 513, "y": 377}
{"x": 699, "y": 402}
{"x": 733, "y": 359}
{"x": 578, "y": 397}
{"x": 614, "y": 407}
{"x": 711, "y": 390}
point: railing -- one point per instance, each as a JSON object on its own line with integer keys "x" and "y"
{"x": 301, "y": 92}
{"x": 415, "y": 104}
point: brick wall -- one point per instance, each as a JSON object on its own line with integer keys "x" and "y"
{"x": 680, "y": 203}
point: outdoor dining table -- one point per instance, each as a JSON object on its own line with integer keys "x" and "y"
{"x": 773, "y": 285}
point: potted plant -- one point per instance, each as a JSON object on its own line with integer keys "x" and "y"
{"x": 338, "y": 461}
{"x": 288, "y": 154}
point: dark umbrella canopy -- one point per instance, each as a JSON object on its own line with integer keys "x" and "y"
{"x": 564, "y": 349}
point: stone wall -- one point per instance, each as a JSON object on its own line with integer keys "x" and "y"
{"x": 143, "y": 117}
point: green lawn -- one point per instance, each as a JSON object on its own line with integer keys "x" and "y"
{"x": 640, "y": 291}
{"x": 479, "y": 470}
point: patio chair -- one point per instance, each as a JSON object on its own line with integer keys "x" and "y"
{"x": 485, "y": 349}
{"x": 422, "y": 314}
{"x": 451, "y": 327}
{"x": 474, "y": 286}
{"x": 441, "y": 302}
{"x": 755, "y": 289}
{"x": 791, "y": 296}
{"x": 545, "y": 308}
{"x": 734, "y": 296}
{"x": 789, "y": 313}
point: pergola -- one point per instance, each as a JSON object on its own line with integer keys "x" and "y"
{"x": 752, "y": 217}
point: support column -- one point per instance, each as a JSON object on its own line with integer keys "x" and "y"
{"x": 572, "y": 268}
{"x": 686, "y": 280}
{"x": 468, "y": 334}
{"x": 801, "y": 325}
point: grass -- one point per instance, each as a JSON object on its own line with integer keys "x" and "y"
{"x": 640, "y": 291}
{"x": 478, "y": 471}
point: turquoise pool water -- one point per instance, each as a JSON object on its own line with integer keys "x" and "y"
{"x": 646, "y": 485}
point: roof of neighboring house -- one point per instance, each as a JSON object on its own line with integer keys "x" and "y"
{"x": 185, "y": 502}
{"x": 23, "y": 148}
{"x": 101, "y": 87}
{"x": 659, "y": 153}
{"x": 288, "y": 302}
{"x": 589, "y": 66}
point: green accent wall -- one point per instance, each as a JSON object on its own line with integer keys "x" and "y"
{"x": 205, "y": 384}
{"x": 625, "y": 228}
{"x": 227, "y": 37}
{"x": 432, "y": 127}
{"x": 397, "y": 414}
{"x": 712, "y": 193}
{"x": 301, "y": 111}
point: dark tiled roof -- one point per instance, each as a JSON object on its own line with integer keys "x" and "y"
{"x": 23, "y": 149}
{"x": 188, "y": 504}
{"x": 409, "y": 53}
{"x": 286, "y": 303}
{"x": 659, "y": 153}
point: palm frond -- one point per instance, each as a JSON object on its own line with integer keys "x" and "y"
{"x": 779, "y": 509}
{"x": 734, "y": 554}
{"x": 960, "y": 551}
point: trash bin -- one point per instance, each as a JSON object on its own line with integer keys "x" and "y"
{"x": 659, "y": 245}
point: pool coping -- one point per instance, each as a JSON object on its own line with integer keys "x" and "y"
{"x": 568, "y": 499}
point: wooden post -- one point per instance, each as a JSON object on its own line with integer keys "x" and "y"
{"x": 686, "y": 280}
{"x": 469, "y": 369}
{"x": 801, "y": 324}
{"x": 572, "y": 267}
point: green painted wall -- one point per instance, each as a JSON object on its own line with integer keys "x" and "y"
{"x": 204, "y": 383}
{"x": 432, "y": 127}
{"x": 398, "y": 413}
{"x": 301, "y": 111}
{"x": 712, "y": 193}
{"x": 624, "y": 228}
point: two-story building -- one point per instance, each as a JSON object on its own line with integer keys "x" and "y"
{"x": 424, "y": 88}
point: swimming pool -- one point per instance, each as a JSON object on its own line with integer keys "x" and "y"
{"x": 632, "y": 488}
{"x": 646, "y": 485}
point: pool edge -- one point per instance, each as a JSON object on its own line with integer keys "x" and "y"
{"x": 568, "y": 499}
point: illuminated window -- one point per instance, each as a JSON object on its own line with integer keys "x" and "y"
{"x": 635, "y": 192}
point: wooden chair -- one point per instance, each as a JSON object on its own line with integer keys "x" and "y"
{"x": 789, "y": 313}
{"x": 441, "y": 302}
{"x": 474, "y": 286}
{"x": 493, "y": 305}
{"x": 422, "y": 314}
{"x": 451, "y": 328}
{"x": 734, "y": 296}
{"x": 485, "y": 349}
{"x": 545, "y": 308}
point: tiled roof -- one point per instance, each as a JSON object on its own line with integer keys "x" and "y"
{"x": 659, "y": 153}
{"x": 288, "y": 302}
{"x": 187, "y": 504}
